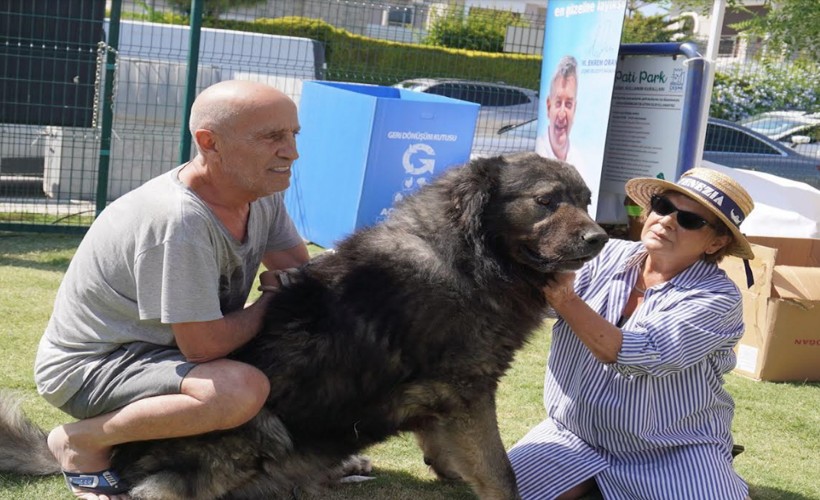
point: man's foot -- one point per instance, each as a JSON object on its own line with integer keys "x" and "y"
{"x": 78, "y": 456}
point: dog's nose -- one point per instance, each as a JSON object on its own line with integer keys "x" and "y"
{"x": 596, "y": 238}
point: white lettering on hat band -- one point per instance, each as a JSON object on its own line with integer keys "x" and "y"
{"x": 706, "y": 190}
{"x": 727, "y": 206}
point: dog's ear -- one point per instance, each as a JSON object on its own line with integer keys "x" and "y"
{"x": 470, "y": 193}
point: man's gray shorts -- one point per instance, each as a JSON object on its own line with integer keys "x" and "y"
{"x": 135, "y": 371}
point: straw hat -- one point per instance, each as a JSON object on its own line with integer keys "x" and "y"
{"x": 718, "y": 192}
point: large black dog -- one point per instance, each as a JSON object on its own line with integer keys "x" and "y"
{"x": 408, "y": 326}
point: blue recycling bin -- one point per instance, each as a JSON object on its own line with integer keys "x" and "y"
{"x": 364, "y": 147}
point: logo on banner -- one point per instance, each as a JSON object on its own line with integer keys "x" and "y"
{"x": 418, "y": 164}
{"x": 415, "y": 163}
{"x": 678, "y": 76}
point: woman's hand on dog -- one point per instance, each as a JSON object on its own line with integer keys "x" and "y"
{"x": 560, "y": 289}
{"x": 601, "y": 337}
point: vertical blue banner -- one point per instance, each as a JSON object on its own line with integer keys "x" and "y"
{"x": 581, "y": 43}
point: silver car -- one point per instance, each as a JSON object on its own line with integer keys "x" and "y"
{"x": 726, "y": 143}
{"x": 501, "y": 104}
{"x": 797, "y": 129}
{"x": 734, "y": 145}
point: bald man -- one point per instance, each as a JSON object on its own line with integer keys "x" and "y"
{"x": 154, "y": 297}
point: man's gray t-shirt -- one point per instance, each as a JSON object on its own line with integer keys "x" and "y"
{"x": 154, "y": 257}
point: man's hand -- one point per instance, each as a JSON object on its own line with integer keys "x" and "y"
{"x": 269, "y": 281}
{"x": 273, "y": 280}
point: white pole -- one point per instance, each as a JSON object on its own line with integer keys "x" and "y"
{"x": 711, "y": 56}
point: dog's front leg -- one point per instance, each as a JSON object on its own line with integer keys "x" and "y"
{"x": 467, "y": 445}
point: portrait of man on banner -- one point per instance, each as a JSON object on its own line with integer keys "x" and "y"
{"x": 581, "y": 43}
{"x": 561, "y": 103}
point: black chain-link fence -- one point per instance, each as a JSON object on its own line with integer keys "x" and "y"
{"x": 60, "y": 71}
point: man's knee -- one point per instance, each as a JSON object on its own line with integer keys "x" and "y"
{"x": 249, "y": 384}
{"x": 237, "y": 388}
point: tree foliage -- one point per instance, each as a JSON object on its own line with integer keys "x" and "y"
{"x": 739, "y": 94}
{"x": 790, "y": 25}
{"x": 639, "y": 28}
{"x": 479, "y": 29}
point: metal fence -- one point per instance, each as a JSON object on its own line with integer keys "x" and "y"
{"x": 94, "y": 101}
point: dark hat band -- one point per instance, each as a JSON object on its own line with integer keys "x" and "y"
{"x": 715, "y": 197}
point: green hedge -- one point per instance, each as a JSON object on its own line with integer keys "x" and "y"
{"x": 774, "y": 85}
{"x": 358, "y": 59}
{"x": 355, "y": 58}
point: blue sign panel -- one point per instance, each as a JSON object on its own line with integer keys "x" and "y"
{"x": 414, "y": 138}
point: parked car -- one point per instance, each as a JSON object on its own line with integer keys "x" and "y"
{"x": 726, "y": 143}
{"x": 734, "y": 145}
{"x": 797, "y": 129}
{"x": 501, "y": 104}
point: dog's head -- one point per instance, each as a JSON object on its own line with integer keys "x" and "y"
{"x": 530, "y": 210}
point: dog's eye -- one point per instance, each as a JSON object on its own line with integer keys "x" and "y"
{"x": 542, "y": 200}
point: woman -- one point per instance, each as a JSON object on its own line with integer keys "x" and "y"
{"x": 634, "y": 385}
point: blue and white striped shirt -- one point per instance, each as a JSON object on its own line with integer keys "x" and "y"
{"x": 657, "y": 422}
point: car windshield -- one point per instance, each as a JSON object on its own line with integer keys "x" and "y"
{"x": 419, "y": 86}
{"x": 772, "y": 126}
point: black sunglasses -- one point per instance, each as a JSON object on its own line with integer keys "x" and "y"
{"x": 687, "y": 220}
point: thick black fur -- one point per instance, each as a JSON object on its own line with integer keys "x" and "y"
{"x": 408, "y": 326}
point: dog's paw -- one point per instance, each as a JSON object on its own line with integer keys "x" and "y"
{"x": 354, "y": 469}
{"x": 356, "y": 479}
{"x": 356, "y": 465}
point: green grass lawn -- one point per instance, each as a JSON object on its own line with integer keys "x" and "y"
{"x": 779, "y": 424}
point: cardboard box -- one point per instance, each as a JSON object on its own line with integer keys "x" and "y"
{"x": 781, "y": 310}
{"x": 364, "y": 147}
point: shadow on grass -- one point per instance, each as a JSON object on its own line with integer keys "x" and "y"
{"x": 400, "y": 485}
{"x": 757, "y": 492}
{"x": 13, "y": 486}
{"x": 389, "y": 484}
{"x": 42, "y": 251}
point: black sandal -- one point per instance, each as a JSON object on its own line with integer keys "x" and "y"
{"x": 105, "y": 482}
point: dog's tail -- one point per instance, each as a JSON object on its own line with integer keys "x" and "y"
{"x": 23, "y": 446}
